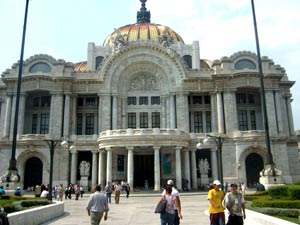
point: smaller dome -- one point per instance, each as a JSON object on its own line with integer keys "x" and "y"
{"x": 80, "y": 66}
{"x": 142, "y": 32}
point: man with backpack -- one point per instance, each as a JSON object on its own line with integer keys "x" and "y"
{"x": 108, "y": 190}
{"x": 235, "y": 203}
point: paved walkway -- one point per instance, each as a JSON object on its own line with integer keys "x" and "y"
{"x": 138, "y": 210}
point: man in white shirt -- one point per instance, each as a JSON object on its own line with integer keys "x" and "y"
{"x": 97, "y": 206}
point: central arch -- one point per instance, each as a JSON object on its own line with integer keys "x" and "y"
{"x": 254, "y": 164}
{"x": 33, "y": 172}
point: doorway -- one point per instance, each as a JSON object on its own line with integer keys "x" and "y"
{"x": 33, "y": 172}
{"x": 254, "y": 165}
{"x": 143, "y": 170}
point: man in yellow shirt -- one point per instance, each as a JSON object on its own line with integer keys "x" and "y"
{"x": 216, "y": 210}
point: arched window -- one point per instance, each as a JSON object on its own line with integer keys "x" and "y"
{"x": 188, "y": 60}
{"x": 245, "y": 64}
{"x": 40, "y": 67}
{"x": 98, "y": 61}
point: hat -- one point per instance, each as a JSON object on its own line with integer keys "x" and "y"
{"x": 18, "y": 188}
{"x": 216, "y": 182}
{"x": 170, "y": 182}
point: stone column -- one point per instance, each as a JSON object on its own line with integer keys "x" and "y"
{"x": 194, "y": 170}
{"x": 178, "y": 167}
{"x": 156, "y": 168}
{"x": 105, "y": 112}
{"x": 182, "y": 113}
{"x": 74, "y": 115}
{"x": 7, "y": 116}
{"x": 124, "y": 113}
{"x": 220, "y": 113}
{"x": 101, "y": 167}
{"x": 130, "y": 166}
{"x": 290, "y": 114}
{"x": 109, "y": 165}
{"x": 115, "y": 113}
{"x": 12, "y": 120}
{"x": 279, "y": 112}
{"x": 100, "y": 116}
{"x": 187, "y": 174}
{"x": 21, "y": 120}
{"x": 94, "y": 168}
{"x": 214, "y": 162}
{"x": 172, "y": 112}
{"x": 163, "y": 112}
{"x": 271, "y": 112}
{"x": 74, "y": 159}
{"x": 168, "y": 119}
{"x": 213, "y": 113}
{"x": 67, "y": 116}
{"x": 230, "y": 111}
{"x": 56, "y": 112}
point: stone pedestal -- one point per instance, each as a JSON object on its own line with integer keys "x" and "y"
{"x": 204, "y": 179}
{"x": 84, "y": 182}
{"x": 270, "y": 176}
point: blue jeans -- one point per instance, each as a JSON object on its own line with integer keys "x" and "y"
{"x": 108, "y": 197}
{"x": 167, "y": 218}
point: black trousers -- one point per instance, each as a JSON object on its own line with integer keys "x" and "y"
{"x": 235, "y": 220}
{"x": 176, "y": 218}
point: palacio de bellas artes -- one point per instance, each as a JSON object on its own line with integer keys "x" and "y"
{"x": 145, "y": 106}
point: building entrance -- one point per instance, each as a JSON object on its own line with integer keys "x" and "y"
{"x": 33, "y": 172}
{"x": 254, "y": 164}
{"x": 143, "y": 170}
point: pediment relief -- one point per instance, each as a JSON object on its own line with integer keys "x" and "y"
{"x": 143, "y": 82}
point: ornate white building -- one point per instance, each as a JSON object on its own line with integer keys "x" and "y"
{"x": 137, "y": 108}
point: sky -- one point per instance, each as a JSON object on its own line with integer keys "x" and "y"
{"x": 63, "y": 28}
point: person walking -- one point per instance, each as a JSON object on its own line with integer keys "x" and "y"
{"x": 175, "y": 193}
{"x": 117, "y": 192}
{"x": 127, "y": 189}
{"x": 108, "y": 191}
{"x": 77, "y": 192}
{"x": 168, "y": 216}
{"x": 216, "y": 210}
{"x": 97, "y": 206}
{"x": 60, "y": 192}
{"x": 235, "y": 203}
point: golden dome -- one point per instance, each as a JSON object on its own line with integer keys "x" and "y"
{"x": 142, "y": 32}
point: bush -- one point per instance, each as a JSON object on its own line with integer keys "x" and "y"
{"x": 294, "y": 192}
{"x": 276, "y": 203}
{"x": 22, "y": 205}
{"x": 297, "y": 182}
{"x": 9, "y": 207}
{"x": 278, "y": 191}
{"x": 278, "y": 212}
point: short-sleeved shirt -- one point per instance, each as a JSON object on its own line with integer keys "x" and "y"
{"x": 97, "y": 203}
{"x": 235, "y": 201}
{"x": 217, "y": 197}
{"x": 170, "y": 208}
{"x": 174, "y": 193}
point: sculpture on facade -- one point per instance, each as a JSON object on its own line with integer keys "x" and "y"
{"x": 203, "y": 166}
{"x": 84, "y": 168}
{"x": 119, "y": 40}
{"x": 165, "y": 39}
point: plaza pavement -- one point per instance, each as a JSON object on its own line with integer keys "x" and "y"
{"x": 138, "y": 209}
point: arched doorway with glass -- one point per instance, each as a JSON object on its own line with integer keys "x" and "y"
{"x": 33, "y": 174}
{"x": 254, "y": 165}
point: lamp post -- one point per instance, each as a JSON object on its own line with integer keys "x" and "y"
{"x": 11, "y": 174}
{"x": 218, "y": 140}
{"x": 65, "y": 144}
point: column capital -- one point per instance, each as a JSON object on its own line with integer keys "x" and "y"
{"x": 74, "y": 151}
{"x": 156, "y": 147}
{"x": 94, "y": 151}
{"x": 130, "y": 148}
{"x": 178, "y": 148}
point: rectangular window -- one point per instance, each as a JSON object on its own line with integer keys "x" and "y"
{"x": 132, "y": 120}
{"x": 207, "y": 99}
{"x": 143, "y": 100}
{"x": 155, "y": 100}
{"x": 44, "y": 126}
{"x": 80, "y": 101}
{"x": 198, "y": 124}
{"x": 34, "y": 124}
{"x": 241, "y": 98}
{"x": 208, "y": 121}
{"x": 155, "y": 120}
{"x": 243, "y": 122}
{"x": 143, "y": 120}
{"x": 89, "y": 123}
{"x": 251, "y": 99}
{"x": 197, "y": 99}
{"x": 35, "y": 102}
{"x": 90, "y": 102}
{"x": 46, "y": 101}
{"x": 79, "y": 123}
{"x": 121, "y": 163}
{"x": 253, "y": 120}
{"x": 131, "y": 101}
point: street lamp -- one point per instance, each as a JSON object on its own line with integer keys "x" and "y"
{"x": 65, "y": 144}
{"x": 218, "y": 140}
{"x": 52, "y": 144}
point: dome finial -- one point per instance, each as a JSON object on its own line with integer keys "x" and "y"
{"x": 143, "y": 16}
